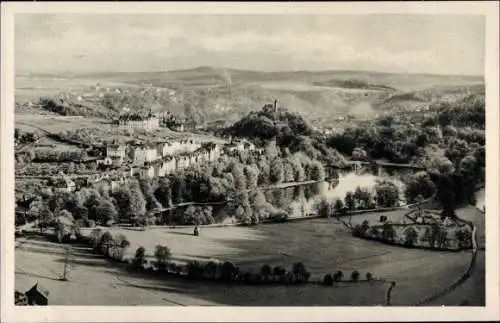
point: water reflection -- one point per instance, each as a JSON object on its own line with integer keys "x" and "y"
{"x": 300, "y": 200}
{"x": 480, "y": 201}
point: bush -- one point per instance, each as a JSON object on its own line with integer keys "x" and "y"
{"x": 328, "y": 280}
{"x": 140, "y": 258}
{"x": 369, "y": 276}
{"x": 355, "y": 276}
{"x": 338, "y": 276}
{"x": 194, "y": 269}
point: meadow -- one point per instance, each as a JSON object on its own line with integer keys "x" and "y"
{"x": 322, "y": 245}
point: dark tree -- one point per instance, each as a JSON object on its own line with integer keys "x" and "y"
{"x": 328, "y": 280}
{"x": 355, "y": 276}
{"x": 140, "y": 258}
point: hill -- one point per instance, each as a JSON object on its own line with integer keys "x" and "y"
{"x": 208, "y": 94}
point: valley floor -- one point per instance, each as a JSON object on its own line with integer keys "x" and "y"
{"x": 322, "y": 245}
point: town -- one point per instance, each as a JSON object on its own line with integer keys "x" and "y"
{"x": 157, "y": 173}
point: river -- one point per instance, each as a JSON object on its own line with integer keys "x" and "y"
{"x": 303, "y": 199}
{"x": 480, "y": 199}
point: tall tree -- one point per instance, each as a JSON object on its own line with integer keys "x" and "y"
{"x": 106, "y": 212}
{"x": 163, "y": 193}
{"x": 162, "y": 255}
{"x": 137, "y": 208}
{"x": 387, "y": 193}
{"x": 419, "y": 184}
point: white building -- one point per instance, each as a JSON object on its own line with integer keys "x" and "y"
{"x": 114, "y": 150}
{"x": 143, "y": 153}
{"x": 146, "y": 123}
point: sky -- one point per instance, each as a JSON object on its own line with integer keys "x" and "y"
{"x": 75, "y": 43}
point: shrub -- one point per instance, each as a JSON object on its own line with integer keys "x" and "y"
{"x": 357, "y": 231}
{"x": 300, "y": 274}
{"x": 194, "y": 269}
{"x": 105, "y": 243}
{"x": 211, "y": 270}
{"x": 227, "y": 271}
{"x": 139, "y": 259}
{"x": 265, "y": 272}
{"x": 369, "y": 276}
{"x": 338, "y": 276}
{"x": 411, "y": 237}
{"x": 278, "y": 271}
{"x": 328, "y": 280}
{"x": 162, "y": 255}
{"x": 355, "y": 276}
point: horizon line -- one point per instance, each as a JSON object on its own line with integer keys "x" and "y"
{"x": 76, "y": 73}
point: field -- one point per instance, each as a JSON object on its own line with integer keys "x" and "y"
{"x": 322, "y": 245}
{"x": 100, "y": 128}
{"x": 29, "y": 87}
{"x": 93, "y": 281}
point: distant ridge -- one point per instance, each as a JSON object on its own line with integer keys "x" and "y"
{"x": 213, "y": 69}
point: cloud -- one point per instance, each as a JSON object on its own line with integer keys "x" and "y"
{"x": 326, "y": 49}
{"x": 152, "y": 42}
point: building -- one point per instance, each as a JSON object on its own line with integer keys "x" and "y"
{"x": 148, "y": 123}
{"x": 38, "y": 295}
{"x": 175, "y": 147}
{"x": 182, "y": 162}
{"x": 147, "y": 171}
{"x": 247, "y": 145}
{"x": 136, "y": 121}
{"x": 116, "y": 150}
{"x": 113, "y": 161}
{"x": 116, "y": 183}
{"x": 234, "y": 147}
{"x": 167, "y": 166}
{"x": 64, "y": 184}
{"x": 143, "y": 153}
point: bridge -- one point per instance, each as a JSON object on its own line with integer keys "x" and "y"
{"x": 385, "y": 164}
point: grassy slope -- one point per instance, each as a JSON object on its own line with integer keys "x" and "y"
{"x": 324, "y": 247}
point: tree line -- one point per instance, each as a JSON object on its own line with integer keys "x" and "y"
{"x": 141, "y": 200}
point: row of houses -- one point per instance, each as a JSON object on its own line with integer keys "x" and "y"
{"x": 140, "y": 153}
{"x": 154, "y": 160}
{"x": 146, "y": 123}
{"x": 208, "y": 153}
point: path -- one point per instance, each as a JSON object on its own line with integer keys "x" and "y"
{"x": 460, "y": 280}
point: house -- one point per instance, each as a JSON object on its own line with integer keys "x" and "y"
{"x": 183, "y": 162}
{"x": 115, "y": 150}
{"x": 133, "y": 171}
{"x": 147, "y": 171}
{"x": 117, "y": 161}
{"x": 64, "y": 184}
{"x": 117, "y": 182}
{"x": 38, "y": 295}
{"x": 143, "y": 153}
{"x": 166, "y": 167}
{"x": 139, "y": 122}
{"x": 247, "y": 145}
{"x": 107, "y": 161}
{"x": 235, "y": 147}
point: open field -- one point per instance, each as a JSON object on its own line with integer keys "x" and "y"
{"x": 94, "y": 281}
{"x": 29, "y": 87}
{"x": 322, "y": 245}
{"x": 102, "y": 128}
{"x": 54, "y": 123}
